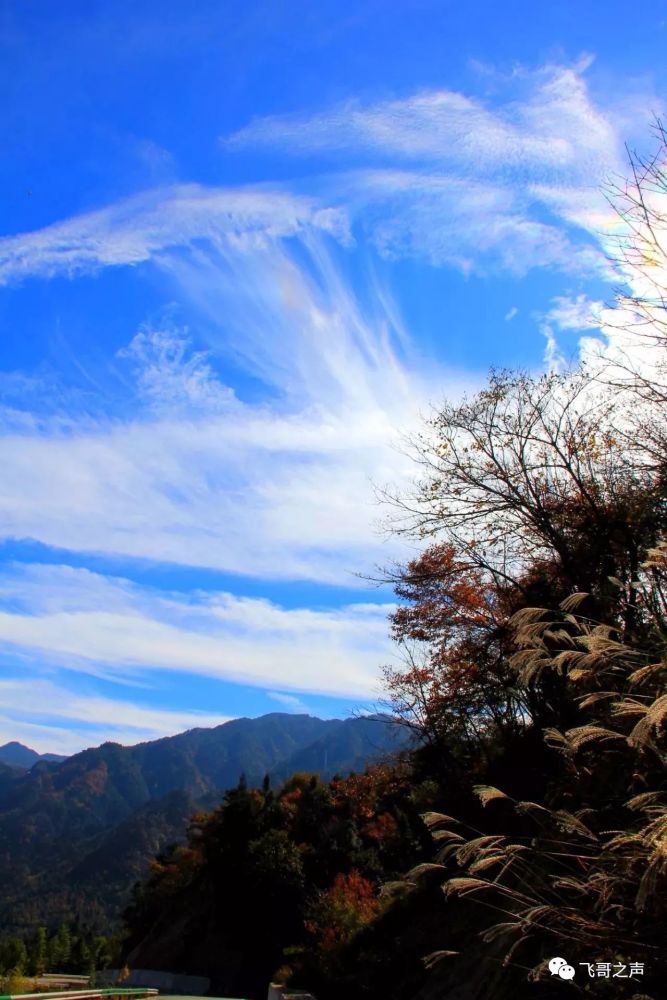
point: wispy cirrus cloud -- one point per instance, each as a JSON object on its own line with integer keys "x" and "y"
{"x": 547, "y": 122}
{"x": 508, "y": 181}
{"x": 473, "y": 225}
{"x": 279, "y": 488}
{"x": 89, "y": 623}
{"x": 195, "y": 477}
{"x": 138, "y": 229}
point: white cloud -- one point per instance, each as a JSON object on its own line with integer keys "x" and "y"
{"x": 289, "y": 701}
{"x": 553, "y": 359}
{"x": 86, "y": 622}
{"x": 469, "y": 224}
{"x": 470, "y": 183}
{"x": 568, "y": 313}
{"x": 251, "y": 492}
{"x": 614, "y": 335}
{"x": 140, "y": 228}
{"x": 547, "y": 123}
{"x": 278, "y": 489}
{"x": 172, "y": 377}
{"x": 575, "y": 312}
{"x": 449, "y": 177}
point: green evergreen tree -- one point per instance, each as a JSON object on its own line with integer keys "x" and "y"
{"x": 61, "y": 949}
{"x": 38, "y": 953}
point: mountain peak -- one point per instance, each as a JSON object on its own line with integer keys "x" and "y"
{"x": 19, "y": 755}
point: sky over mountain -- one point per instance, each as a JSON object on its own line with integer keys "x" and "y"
{"x": 244, "y": 248}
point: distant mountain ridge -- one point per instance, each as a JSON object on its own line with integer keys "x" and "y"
{"x": 18, "y": 755}
{"x": 76, "y": 834}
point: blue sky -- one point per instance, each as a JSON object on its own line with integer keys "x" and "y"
{"x": 243, "y": 249}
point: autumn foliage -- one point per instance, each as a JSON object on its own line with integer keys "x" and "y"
{"x": 341, "y": 911}
{"x": 297, "y": 868}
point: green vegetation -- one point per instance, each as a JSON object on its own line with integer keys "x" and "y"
{"x": 72, "y": 949}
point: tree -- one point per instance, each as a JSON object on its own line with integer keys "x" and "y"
{"x": 60, "y": 949}
{"x": 457, "y": 689}
{"x": 639, "y": 252}
{"x": 452, "y": 626}
{"x": 531, "y": 470}
{"x": 13, "y": 983}
{"x": 340, "y": 913}
{"x": 39, "y": 952}
{"x": 253, "y": 867}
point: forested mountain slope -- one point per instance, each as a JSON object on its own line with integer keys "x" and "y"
{"x": 18, "y": 755}
{"x": 75, "y": 836}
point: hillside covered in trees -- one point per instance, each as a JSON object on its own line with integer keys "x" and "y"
{"x": 75, "y": 836}
{"x": 534, "y": 632}
{"x": 17, "y": 755}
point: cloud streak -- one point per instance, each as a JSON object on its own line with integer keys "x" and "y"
{"x": 548, "y": 123}
{"x": 86, "y": 622}
{"x": 509, "y": 184}
{"x": 195, "y": 476}
{"x": 243, "y": 489}
{"x": 441, "y": 175}
{"x": 140, "y": 228}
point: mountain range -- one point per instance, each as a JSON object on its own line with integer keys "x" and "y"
{"x": 77, "y": 833}
{"x": 17, "y": 755}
